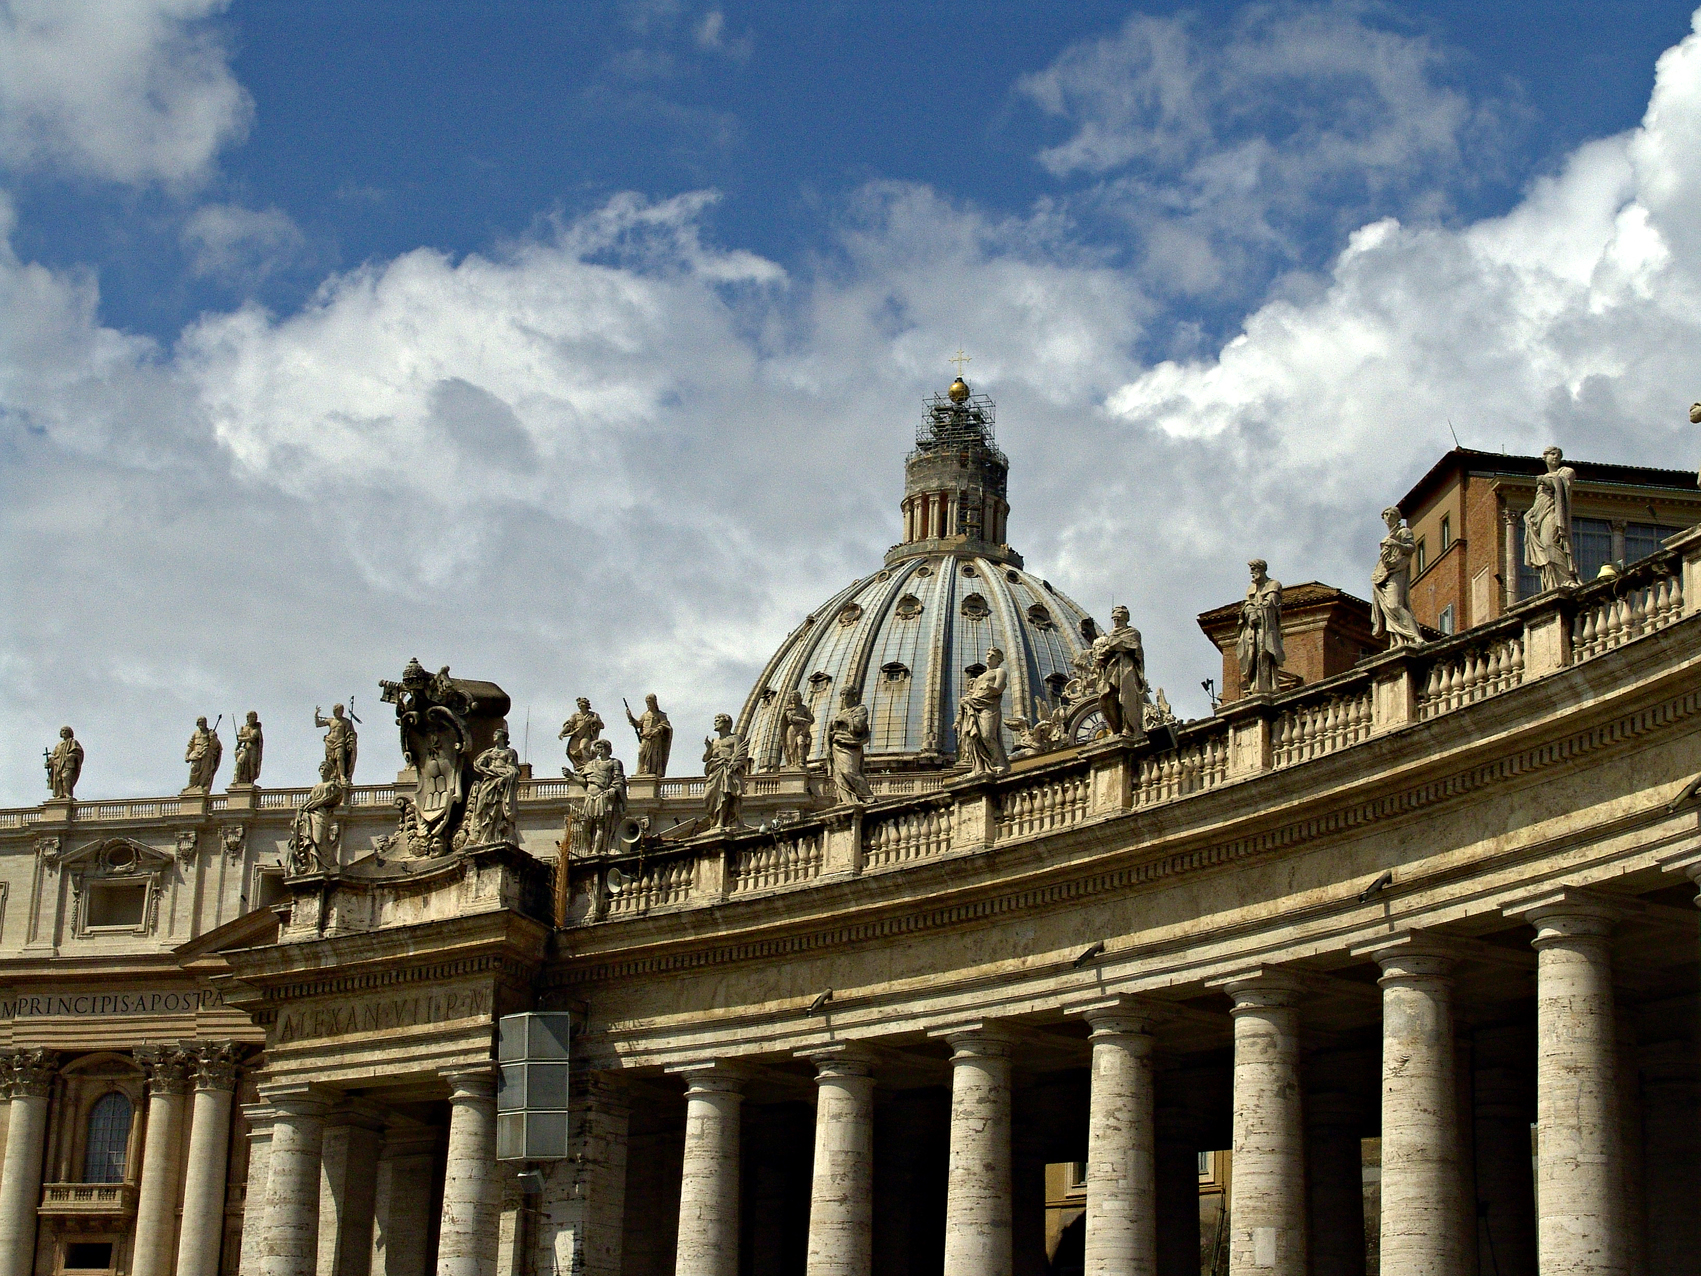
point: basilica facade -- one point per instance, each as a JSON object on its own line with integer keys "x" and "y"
{"x": 1389, "y": 964}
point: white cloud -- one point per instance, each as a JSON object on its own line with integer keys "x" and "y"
{"x": 240, "y": 245}
{"x": 133, "y": 91}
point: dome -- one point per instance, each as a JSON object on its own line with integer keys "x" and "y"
{"x": 911, "y": 636}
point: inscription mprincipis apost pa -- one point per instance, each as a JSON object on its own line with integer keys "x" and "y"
{"x": 383, "y": 1016}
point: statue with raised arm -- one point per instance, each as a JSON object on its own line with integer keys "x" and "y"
{"x": 726, "y": 758}
{"x": 847, "y": 737}
{"x": 980, "y": 719}
{"x": 799, "y": 735}
{"x": 1259, "y": 643}
{"x": 581, "y": 732}
{"x": 604, "y": 803}
{"x": 1391, "y": 584}
{"x": 64, "y": 765}
{"x": 493, "y": 799}
{"x": 1547, "y": 524}
{"x": 1120, "y": 662}
{"x": 655, "y": 736}
{"x": 313, "y": 835}
{"x": 342, "y": 744}
{"x": 203, "y": 754}
{"x": 250, "y": 744}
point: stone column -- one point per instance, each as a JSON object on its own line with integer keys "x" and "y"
{"x": 1421, "y": 1202}
{"x": 978, "y": 1184}
{"x": 289, "y": 1242}
{"x": 401, "y": 1201}
{"x": 1579, "y": 1169}
{"x": 258, "y": 1117}
{"x": 1334, "y": 1163}
{"x": 1121, "y": 1234}
{"x": 30, "y": 1080}
{"x": 1505, "y": 1090}
{"x": 708, "y": 1190}
{"x": 348, "y": 1183}
{"x": 582, "y": 1213}
{"x": 1267, "y": 1190}
{"x": 841, "y": 1197}
{"x": 201, "y": 1234}
{"x": 162, "y": 1160}
{"x": 472, "y": 1196}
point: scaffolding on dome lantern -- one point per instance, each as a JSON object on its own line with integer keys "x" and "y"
{"x": 950, "y": 423}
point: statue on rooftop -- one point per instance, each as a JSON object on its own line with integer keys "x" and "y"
{"x": 342, "y": 744}
{"x": 1259, "y": 642}
{"x": 726, "y": 757}
{"x": 847, "y": 737}
{"x": 1044, "y": 733}
{"x": 1120, "y": 662}
{"x": 604, "y": 803}
{"x": 449, "y": 728}
{"x": 203, "y": 754}
{"x": 250, "y": 745}
{"x": 1547, "y": 524}
{"x": 799, "y": 735}
{"x": 980, "y": 719}
{"x": 655, "y": 736}
{"x": 64, "y": 764}
{"x": 493, "y": 800}
{"x": 313, "y": 835}
{"x": 581, "y": 732}
{"x": 1390, "y": 584}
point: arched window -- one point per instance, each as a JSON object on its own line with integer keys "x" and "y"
{"x": 109, "y": 1136}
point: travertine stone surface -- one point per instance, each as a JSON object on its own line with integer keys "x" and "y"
{"x": 472, "y": 1199}
{"x": 1267, "y": 1202}
{"x": 977, "y": 1192}
{"x": 20, "y": 1179}
{"x": 582, "y": 1210}
{"x": 1421, "y": 1212}
{"x": 1121, "y": 1237}
{"x": 1579, "y": 1186}
{"x": 202, "y": 1227}
{"x": 841, "y": 1198}
{"x": 259, "y": 1120}
{"x": 289, "y": 1245}
{"x": 1334, "y": 1167}
{"x": 162, "y": 1162}
{"x": 1630, "y": 1137}
{"x": 401, "y": 1206}
{"x": 708, "y": 1190}
{"x": 348, "y": 1175}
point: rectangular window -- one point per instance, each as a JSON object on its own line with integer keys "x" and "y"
{"x": 1642, "y": 539}
{"x": 1446, "y": 531}
{"x": 116, "y": 904}
{"x": 268, "y": 888}
{"x": 1422, "y": 556}
{"x": 88, "y": 1256}
{"x": 1077, "y": 1174}
{"x": 1591, "y": 545}
{"x": 1529, "y": 579}
{"x": 1444, "y": 622}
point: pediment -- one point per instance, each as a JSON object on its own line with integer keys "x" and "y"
{"x": 116, "y": 857}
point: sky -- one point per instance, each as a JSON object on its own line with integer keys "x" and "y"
{"x": 578, "y": 346}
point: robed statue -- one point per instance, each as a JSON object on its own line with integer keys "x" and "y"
{"x": 604, "y": 803}
{"x": 1391, "y": 584}
{"x": 655, "y": 736}
{"x": 250, "y": 745}
{"x": 798, "y": 735}
{"x": 726, "y": 758}
{"x": 64, "y": 764}
{"x": 342, "y": 744}
{"x": 980, "y": 719}
{"x": 313, "y": 835}
{"x": 494, "y": 799}
{"x": 1120, "y": 662}
{"x": 1259, "y": 642}
{"x": 203, "y": 754}
{"x": 1547, "y": 524}
{"x": 581, "y": 732}
{"x": 447, "y": 725}
{"x": 847, "y": 737}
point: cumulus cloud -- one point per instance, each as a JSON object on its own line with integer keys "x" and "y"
{"x": 132, "y": 91}
{"x": 240, "y": 245}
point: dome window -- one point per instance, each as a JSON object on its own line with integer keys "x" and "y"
{"x": 895, "y": 672}
{"x": 975, "y": 608}
{"x": 1013, "y": 576}
{"x": 1057, "y": 682}
{"x": 883, "y": 575}
{"x": 768, "y": 694}
{"x": 1040, "y": 618}
{"x": 819, "y": 680}
{"x": 922, "y": 572}
{"x": 909, "y": 607}
{"x": 975, "y": 670}
{"x": 969, "y": 570}
{"x": 850, "y": 613}
{"x": 1089, "y": 630}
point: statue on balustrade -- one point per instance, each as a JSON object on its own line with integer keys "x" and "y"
{"x": 604, "y": 803}
{"x": 1259, "y": 642}
{"x": 1391, "y": 582}
{"x": 445, "y": 724}
{"x": 980, "y": 719}
{"x": 799, "y": 736}
{"x": 494, "y": 799}
{"x": 847, "y": 737}
{"x": 64, "y": 764}
{"x": 726, "y": 759}
{"x": 250, "y": 745}
{"x": 1043, "y": 733}
{"x": 313, "y": 835}
{"x": 203, "y": 754}
{"x": 342, "y": 744}
{"x": 655, "y": 736}
{"x": 1695, "y": 419}
{"x": 1120, "y": 661}
{"x": 1547, "y": 524}
{"x": 581, "y": 732}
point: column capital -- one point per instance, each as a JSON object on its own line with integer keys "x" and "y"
{"x": 1409, "y": 955}
{"x": 1569, "y": 912}
{"x": 215, "y": 1064}
{"x": 28, "y": 1073}
{"x": 712, "y": 1076}
{"x": 1260, "y": 988}
{"x": 167, "y": 1068}
{"x": 1685, "y": 860}
{"x": 1120, "y": 1016}
{"x": 477, "y": 1081}
{"x": 979, "y": 1038}
{"x": 843, "y": 1059}
{"x": 259, "y": 1117}
{"x": 297, "y": 1099}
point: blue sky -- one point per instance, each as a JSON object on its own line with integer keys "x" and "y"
{"x": 577, "y": 346}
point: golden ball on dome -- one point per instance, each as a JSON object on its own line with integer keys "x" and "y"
{"x": 959, "y": 390}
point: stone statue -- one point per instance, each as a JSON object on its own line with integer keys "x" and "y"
{"x": 203, "y": 754}
{"x": 1120, "y": 661}
{"x": 604, "y": 805}
{"x": 341, "y": 742}
{"x": 1044, "y": 733}
{"x": 655, "y": 736}
{"x": 313, "y": 835}
{"x": 444, "y": 723}
{"x": 250, "y": 745}
{"x": 847, "y": 736}
{"x": 726, "y": 757}
{"x": 64, "y": 765}
{"x": 580, "y": 731}
{"x": 493, "y": 801}
{"x": 1547, "y": 524}
{"x": 1695, "y": 419}
{"x": 799, "y": 738}
{"x": 980, "y": 719}
{"x": 1391, "y": 582}
{"x": 1159, "y": 714}
{"x": 1259, "y": 644}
